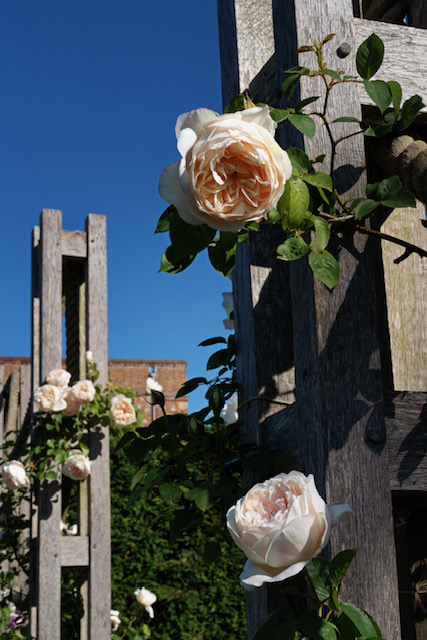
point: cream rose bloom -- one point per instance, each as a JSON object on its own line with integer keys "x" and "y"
{"x": 83, "y": 391}
{"x": 72, "y": 405}
{"x": 58, "y": 377}
{"x": 49, "y": 398}
{"x": 122, "y": 410}
{"x": 230, "y": 412}
{"x": 115, "y": 620}
{"x": 146, "y": 598}
{"x": 232, "y": 170}
{"x": 77, "y": 465}
{"x": 280, "y": 525}
{"x": 14, "y": 474}
{"x": 151, "y": 384}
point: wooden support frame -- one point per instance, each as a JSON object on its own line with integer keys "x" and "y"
{"x": 53, "y": 249}
{"x": 337, "y": 427}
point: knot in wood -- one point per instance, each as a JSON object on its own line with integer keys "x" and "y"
{"x": 343, "y": 50}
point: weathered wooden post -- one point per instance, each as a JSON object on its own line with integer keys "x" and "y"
{"x": 285, "y": 318}
{"x": 71, "y": 264}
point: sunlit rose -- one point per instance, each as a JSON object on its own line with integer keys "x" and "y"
{"x": 14, "y": 474}
{"x": 115, "y": 620}
{"x": 72, "y": 405}
{"x": 58, "y": 377}
{"x": 228, "y": 304}
{"x": 151, "y": 384}
{"x": 83, "y": 391}
{"x": 77, "y": 466}
{"x": 232, "y": 170}
{"x": 280, "y": 525}
{"x": 49, "y": 398}
{"x": 89, "y": 357}
{"x": 230, "y": 412}
{"x": 122, "y": 410}
{"x": 146, "y": 598}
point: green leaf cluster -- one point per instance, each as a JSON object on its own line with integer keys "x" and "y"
{"x": 328, "y": 618}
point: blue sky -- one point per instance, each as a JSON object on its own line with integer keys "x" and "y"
{"x": 91, "y": 90}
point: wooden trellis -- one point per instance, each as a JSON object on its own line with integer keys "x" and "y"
{"x": 353, "y": 359}
{"x": 69, "y": 267}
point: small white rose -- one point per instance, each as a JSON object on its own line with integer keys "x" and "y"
{"x": 49, "y": 398}
{"x": 146, "y": 598}
{"x": 58, "y": 377}
{"x": 115, "y": 620}
{"x": 77, "y": 465}
{"x": 83, "y": 391}
{"x": 280, "y": 525}
{"x": 14, "y": 474}
{"x": 122, "y": 410}
{"x": 227, "y": 303}
{"x": 69, "y": 530}
{"x": 230, "y": 412}
{"x": 89, "y": 357}
{"x": 232, "y": 170}
{"x": 151, "y": 384}
{"x": 72, "y": 405}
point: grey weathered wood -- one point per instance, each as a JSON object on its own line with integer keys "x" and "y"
{"x": 99, "y": 488}
{"x": 402, "y": 59}
{"x": 417, "y": 13}
{"x": 49, "y": 499}
{"x": 74, "y": 551}
{"x": 333, "y": 362}
{"x": 406, "y": 305}
{"x": 2, "y": 381}
{"x": 74, "y": 244}
{"x": 406, "y": 419}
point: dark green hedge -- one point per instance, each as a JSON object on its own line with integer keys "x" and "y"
{"x": 195, "y": 600}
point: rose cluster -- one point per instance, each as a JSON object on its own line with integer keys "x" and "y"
{"x": 280, "y": 525}
{"x": 232, "y": 170}
{"x": 57, "y": 395}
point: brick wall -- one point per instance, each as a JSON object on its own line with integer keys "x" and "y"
{"x": 171, "y": 374}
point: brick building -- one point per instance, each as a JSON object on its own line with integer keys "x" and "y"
{"x": 170, "y": 374}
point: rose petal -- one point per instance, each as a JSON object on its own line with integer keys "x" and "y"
{"x": 170, "y": 189}
{"x": 336, "y": 511}
{"x": 297, "y": 542}
{"x": 261, "y": 116}
{"x": 254, "y": 575}
{"x": 197, "y": 120}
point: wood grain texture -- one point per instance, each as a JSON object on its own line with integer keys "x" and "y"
{"x": 49, "y": 498}
{"x": 338, "y": 376}
{"x": 74, "y": 551}
{"x": 404, "y": 56}
{"x": 74, "y": 244}
{"x": 99, "y": 484}
{"x": 406, "y": 305}
{"x": 2, "y": 401}
{"x": 417, "y": 13}
{"x": 406, "y": 420}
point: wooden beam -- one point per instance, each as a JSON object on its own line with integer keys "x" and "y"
{"x": 74, "y": 244}
{"x": 49, "y": 499}
{"x": 99, "y": 486}
{"x": 74, "y": 551}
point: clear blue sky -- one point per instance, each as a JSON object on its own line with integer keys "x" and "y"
{"x": 90, "y": 93}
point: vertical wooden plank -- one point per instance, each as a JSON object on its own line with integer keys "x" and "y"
{"x": 417, "y": 13}
{"x": 260, "y": 282}
{"x": 338, "y": 376}
{"x": 49, "y": 500}
{"x": 406, "y": 311}
{"x": 99, "y": 492}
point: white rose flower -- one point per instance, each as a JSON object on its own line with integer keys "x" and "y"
{"x": 89, "y": 357}
{"x": 14, "y": 474}
{"x": 58, "y": 377}
{"x": 115, "y": 620}
{"x": 146, "y": 598}
{"x": 72, "y": 405}
{"x": 49, "y": 398}
{"x": 228, "y": 304}
{"x": 69, "y": 530}
{"x": 77, "y": 465}
{"x": 152, "y": 385}
{"x": 232, "y": 170}
{"x": 230, "y": 412}
{"x": 280, "y": 525}
{"x": 83, "y": 391}
{"x": 122, "y": 410}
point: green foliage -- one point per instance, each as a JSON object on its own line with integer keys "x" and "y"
{"x": 369, "y": 56}
{"x": 327, "y": 618}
